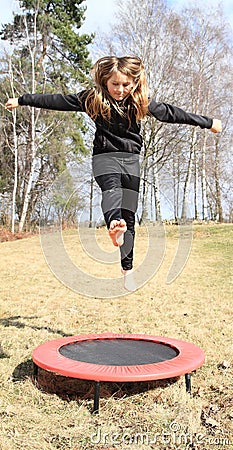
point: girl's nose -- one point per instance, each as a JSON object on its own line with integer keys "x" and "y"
{"x": 120, "y": 89}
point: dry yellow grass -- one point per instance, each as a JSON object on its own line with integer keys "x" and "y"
{"x": 197, "y": 307}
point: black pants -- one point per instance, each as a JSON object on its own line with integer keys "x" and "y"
{"x": 117, "y": 174}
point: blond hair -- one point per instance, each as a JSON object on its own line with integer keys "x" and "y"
{"x": 98, "y": 100}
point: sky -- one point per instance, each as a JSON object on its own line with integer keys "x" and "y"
{"x": 100, "y": 13}
{"x": 226, "y": 5}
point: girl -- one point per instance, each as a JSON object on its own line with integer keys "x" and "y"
{"x": 117, "y": 103}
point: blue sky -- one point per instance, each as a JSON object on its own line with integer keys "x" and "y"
{"x": 100, "y": 13}
{"x": 226, "y": 5}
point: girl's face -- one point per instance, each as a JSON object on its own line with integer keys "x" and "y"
{"x": 119, "y": 85}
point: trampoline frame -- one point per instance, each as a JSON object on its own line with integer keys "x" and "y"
{"x": 47, "y": 356}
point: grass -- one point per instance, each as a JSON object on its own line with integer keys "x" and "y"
{"x": 35, "y": 307}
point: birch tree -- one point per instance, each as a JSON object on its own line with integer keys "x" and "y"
{"x": 40, "y": 41}
{"x": 32, "y": 46}
{"x": 15, "y": 151}
{"x": 205, "y": 49}
{"x": 184, "y": 55}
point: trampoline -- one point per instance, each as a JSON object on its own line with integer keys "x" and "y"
{"x": 111, "y": 357}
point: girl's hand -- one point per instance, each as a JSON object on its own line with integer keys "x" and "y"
{"x": 216, "y": 126}
{"x": 11, "y": 103}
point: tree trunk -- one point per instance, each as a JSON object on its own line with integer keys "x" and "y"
{"x": 27, "y": 196}
{"x": 91, "y": 202}
{"x": 15, "y": 173}
{"x": 196, "y": 185}
{"x": 176, "y": 164}
{"x": 15, "y": 140}
{"x": 158, "y": 215}
{"x": 219, "y": 211}
{"x": 203, "y": 181}
{"x": 145, "y": 185}
{"x": 184, "y": 213}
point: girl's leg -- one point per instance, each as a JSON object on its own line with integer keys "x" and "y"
{"x": 118, "y": 178}
{"x": 129, "y": 208}
{"x": 127, "y": 251}
{"x": 110, "y": 185}
{"x": 128, "y": 247}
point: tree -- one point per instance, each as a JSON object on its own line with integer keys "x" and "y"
{"x": 62, "y": 50}
{"x": 186, "y": 56}
{"x": 47, "y": 37}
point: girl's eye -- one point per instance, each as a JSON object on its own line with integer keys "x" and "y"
{"x": 124, "y": 85}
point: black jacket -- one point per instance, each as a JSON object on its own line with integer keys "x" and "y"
{"x": 116, "y": 135}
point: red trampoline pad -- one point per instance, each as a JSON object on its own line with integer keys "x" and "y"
{"x": 115, "y": 357}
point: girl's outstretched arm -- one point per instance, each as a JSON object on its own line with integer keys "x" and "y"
{"x": 58, "y": 102}
{"x": 164, "y": 112}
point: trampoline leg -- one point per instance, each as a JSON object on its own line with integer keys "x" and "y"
{"x": 188, "y": 382}
{"x": 35, "y": 372}
{"x": 96, "y": 398}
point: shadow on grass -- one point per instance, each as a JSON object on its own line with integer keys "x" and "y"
{"x": 2, "y": 353}
{"x": 73, "y": 389}
{"x": 23, "y": 371}
{"x": 82, "y": 391}
{"x": 17, "y": 322}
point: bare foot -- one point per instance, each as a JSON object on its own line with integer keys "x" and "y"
{"x": 116, "y": 232}
{"x": 129, "y": 283}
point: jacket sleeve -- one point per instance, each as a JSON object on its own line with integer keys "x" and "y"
{"x": 58, "y": 102}
{"x": 172, "y": 114}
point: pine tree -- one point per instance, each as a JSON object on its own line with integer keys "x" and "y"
{"x": 50, "y": 56}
